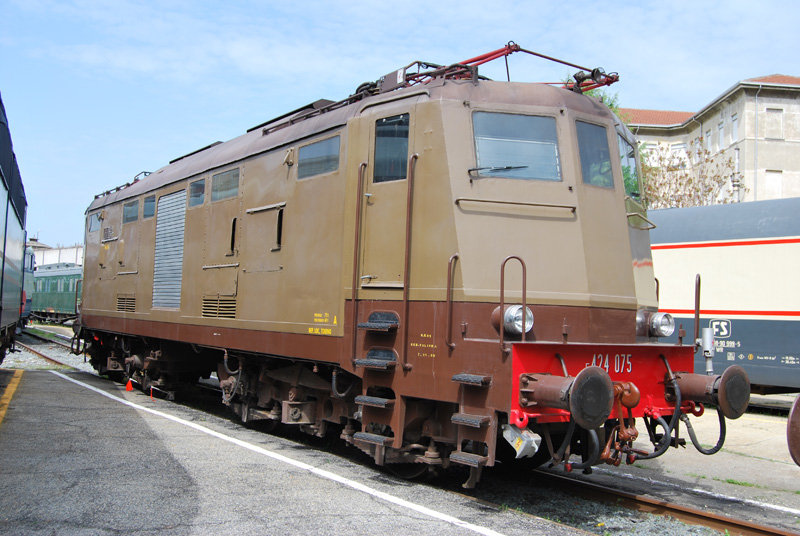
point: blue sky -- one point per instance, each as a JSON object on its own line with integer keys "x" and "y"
{"x": 98, "y": 90}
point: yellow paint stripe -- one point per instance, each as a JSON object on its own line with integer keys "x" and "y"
{"x": 5, "y": 400}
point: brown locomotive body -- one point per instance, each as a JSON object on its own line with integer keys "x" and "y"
{"x": 342, "y": 265}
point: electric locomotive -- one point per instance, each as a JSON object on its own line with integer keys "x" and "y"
{"x": 440, "y": 268}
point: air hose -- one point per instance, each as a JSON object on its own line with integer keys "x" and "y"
{"x": 666, "y": 439}
{"x": 696, "y": 443}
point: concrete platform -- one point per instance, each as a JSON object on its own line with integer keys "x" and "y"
{"x": 80, "y": 455}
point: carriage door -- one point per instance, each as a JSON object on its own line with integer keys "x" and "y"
{"x": 385, "y": 203}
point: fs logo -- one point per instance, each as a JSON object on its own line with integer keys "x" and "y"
{"x": 721, "y": 327}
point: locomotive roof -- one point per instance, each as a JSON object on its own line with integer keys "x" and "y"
{"x": 307, "y": 122}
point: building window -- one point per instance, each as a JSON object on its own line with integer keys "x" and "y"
{"x": 197, "y": 192}
{"x": 149, "y": 208}
{"x": 720, "y": 136}
{"x": 734, "y": 128}
{"x": 318, "y": 158}
{"x": 130, "y": 211}
{"x": 225, "y": 185}
{"x": 708, "y": 141}
{"x": 773, "y": 187}
{"x": 774, "y": 123}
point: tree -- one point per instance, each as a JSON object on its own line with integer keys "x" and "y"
{"x": 674, "y": 179}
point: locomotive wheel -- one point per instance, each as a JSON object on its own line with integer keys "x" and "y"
{"x": 793, "y": 431}
{"x": 408, "y": 471}
{"x": 117, "y": 376}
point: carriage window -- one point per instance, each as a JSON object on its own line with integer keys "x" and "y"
{"x": 130, "y": 211}
{"x": 595, "y": 158}
{"x": 197, "y": 192}
{"x": 94, "y": 222}
{"x": 317, "y": 158}
{"x": 627, "y": 156}
{"x": 516, "y": 146}
{"x": 225, "y": 185}
{"x": 391, "y": 148}
{"x": 149, "y": 208}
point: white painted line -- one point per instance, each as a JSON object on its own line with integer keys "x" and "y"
{"x": 700, "y": 491}
{"x": 300, "y": 465}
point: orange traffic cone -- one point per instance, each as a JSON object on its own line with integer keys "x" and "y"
{"x": 129, "y": 386}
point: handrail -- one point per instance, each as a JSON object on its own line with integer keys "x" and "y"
{"x": 412, "y": 160}
{"x": 458, "y": 201}
{"x": 502, "y": 300}
{"x": 356, "y": 246}
{"x": 651, "y": 224}
{"x": 274, "y": 206}
{"x": 448, "y": 336}
{"x": 78, "y": 285}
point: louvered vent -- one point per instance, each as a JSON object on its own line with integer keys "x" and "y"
{"x": 219, "y": 307}
{"x": 126, "y": 304}
{"x": 108, "y": 233}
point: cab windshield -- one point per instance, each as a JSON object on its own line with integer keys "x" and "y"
{"x": 516, "y": 147}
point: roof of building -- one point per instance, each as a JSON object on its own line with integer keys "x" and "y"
{"x": 655, "y": 117}
{"x": 777, "y": 79}
{"x": 663, "y": 118}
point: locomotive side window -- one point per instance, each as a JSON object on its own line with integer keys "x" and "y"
{"x": 516, "y": 146}
{"x": 197, "y": 192}
{"x": 130, "y": 211}
{"x": 225, "y": 185}
{"x": 318, "y": 158}
{"x": 94, "y": 222}
{"x": 627, "y": 155}
{"x": 391, "y": 148}
{"x": 149, "y": 208}
{"x": 595, "y": 156}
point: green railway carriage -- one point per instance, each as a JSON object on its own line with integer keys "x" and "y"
{"x": 56, "y": 295}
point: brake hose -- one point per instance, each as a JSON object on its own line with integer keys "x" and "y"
{"x": 594, "y": 443}
{"x": 668, "y": 428}
{"x": 696, "y": 443}
{"x": 335, "y": 391}
{"x": 238, "y": 373}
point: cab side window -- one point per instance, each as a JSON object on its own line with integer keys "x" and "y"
{"x": 391, "y": 148}
{"x": 594, "y": 153}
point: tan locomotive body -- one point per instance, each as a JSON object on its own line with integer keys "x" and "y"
{"x": 345, "y": 265}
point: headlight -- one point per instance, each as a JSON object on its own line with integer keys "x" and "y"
{"x": 662, "y": 325}
{"x": 512, "y": 319}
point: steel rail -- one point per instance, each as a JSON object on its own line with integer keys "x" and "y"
{"x": 43, "y": 356}
{"x": 46, "y": 339}
{"x": 686, "y": 514}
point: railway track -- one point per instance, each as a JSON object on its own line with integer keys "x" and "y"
{"x": 56, "y": 338}
{"x": 44, "y": 356}
{"x": 642, "y": 503}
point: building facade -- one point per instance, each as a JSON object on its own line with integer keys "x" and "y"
{"x": 755, "y": 124}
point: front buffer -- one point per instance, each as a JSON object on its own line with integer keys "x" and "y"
{"x": 590, "y": 395}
